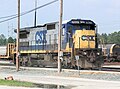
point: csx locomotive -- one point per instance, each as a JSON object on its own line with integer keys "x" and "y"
{"x": 39, "y": 45}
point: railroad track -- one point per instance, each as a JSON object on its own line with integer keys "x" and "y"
{"x": 111, "y": 63}
{"x": 6, "y": 64}
{"x": 106, "y": 68}
{"x": 113, "y": 66}
{"x": 113, "y": 69}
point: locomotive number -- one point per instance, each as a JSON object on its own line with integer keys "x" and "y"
{"x": 88, "y": 37}
{"x": 40, "y": 37}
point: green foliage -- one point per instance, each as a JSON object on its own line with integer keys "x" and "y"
{"x": 110, "y": 38}
{"x": 11, "y": 40}
{"x": 4, "y": 40}
{"x": 16, "y": 83}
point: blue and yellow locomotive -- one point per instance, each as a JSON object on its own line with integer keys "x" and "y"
{"x": 39, "y": 45}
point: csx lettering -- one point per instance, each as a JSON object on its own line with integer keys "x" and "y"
{"x": 88, "y": 37}
{"x": 40, "y": 37}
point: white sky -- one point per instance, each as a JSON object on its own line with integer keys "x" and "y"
{"x": 105, "y": 13}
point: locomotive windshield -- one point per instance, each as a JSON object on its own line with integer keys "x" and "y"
{"x": 83, "y": 24}
{"x": 84, "y": 27}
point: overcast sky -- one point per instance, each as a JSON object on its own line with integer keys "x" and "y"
{"x": 105, "y": 13}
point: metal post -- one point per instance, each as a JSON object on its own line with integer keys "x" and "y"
{"x": 17, "y": 42}
{"x": 68, "y": 39}
{"x": 78, "y": 67}
{"x": 59, "y": 36}
{"x": 79, "y": 43}
{"x": 35, "y": 13}
{"x": 96, "y": 39}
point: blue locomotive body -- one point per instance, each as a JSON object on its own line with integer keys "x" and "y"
{"x": 78, "y": 40}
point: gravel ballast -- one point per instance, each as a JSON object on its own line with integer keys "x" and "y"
{"x": 88, "y": 74}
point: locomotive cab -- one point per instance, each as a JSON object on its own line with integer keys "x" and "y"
{"x": 82, "y": 38}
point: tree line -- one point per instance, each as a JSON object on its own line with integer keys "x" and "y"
{"x": 112, "y": 38}
{"x": 4, "y": 40}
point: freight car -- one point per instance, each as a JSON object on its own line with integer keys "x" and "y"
{"x": 7, "y": 52}
{"x": 111, "y": 53}
{"x": 39, "y": 45}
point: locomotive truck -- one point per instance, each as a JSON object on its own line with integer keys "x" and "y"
{"x": 39, "y": 45}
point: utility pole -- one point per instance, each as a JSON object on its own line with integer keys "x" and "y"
{"x": 35, "y": 13}
{"x": 17, "y": 42}
{"x": 59, "y": 36}
{"x": 8, "y": 32}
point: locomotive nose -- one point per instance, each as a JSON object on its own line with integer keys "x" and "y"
{"x": 84, "y": 39}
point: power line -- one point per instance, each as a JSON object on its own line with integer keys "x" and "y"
{"x": 24, "y": 13}
{"x": 8, "y": 16}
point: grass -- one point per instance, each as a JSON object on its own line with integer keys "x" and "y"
{"x": 27, "y": 84}
{"x": 16, "y": 83}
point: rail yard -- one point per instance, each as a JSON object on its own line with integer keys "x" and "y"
{"x": 74, "y": 78}
{"x": 38, "y": 46}
{"x": 80, "y": 55}
{"x": 69, "y": 53}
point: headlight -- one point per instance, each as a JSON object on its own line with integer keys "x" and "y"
{"x": 85, "y": 53}
{"x": 98, "y": 53}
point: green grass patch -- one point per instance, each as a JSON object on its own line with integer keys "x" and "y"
{"x": 16, "y": 83}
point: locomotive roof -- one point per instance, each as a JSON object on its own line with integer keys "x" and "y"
{"x": 28, "y": 28}
{"x": 73, "y": 21}
{"x": 78, "y": 21}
